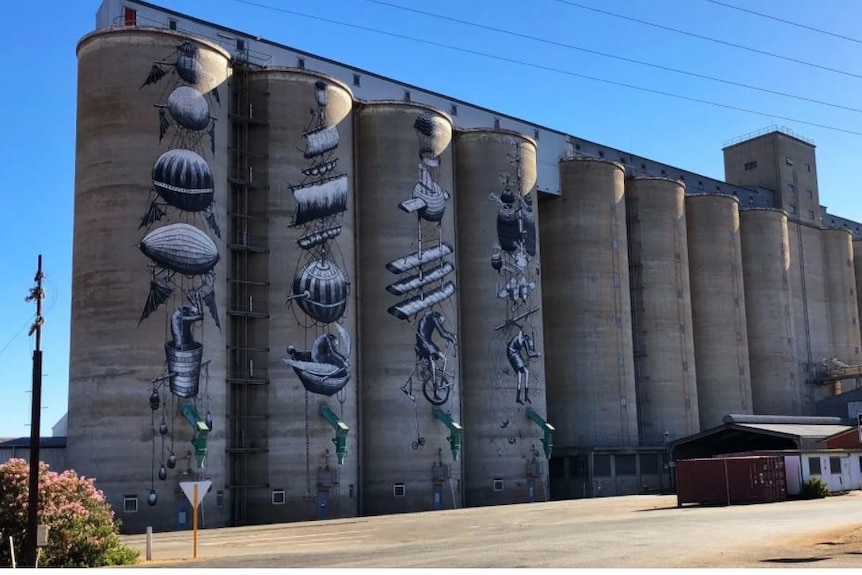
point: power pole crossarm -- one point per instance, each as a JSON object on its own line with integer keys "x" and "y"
{"x": 37, "y": 294}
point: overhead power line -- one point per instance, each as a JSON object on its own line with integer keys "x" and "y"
{"x": 782, "y": 20}
{"x": 545, "y": 68}
{"x": 709, "y": 38}
{"x": 614, "y": 56}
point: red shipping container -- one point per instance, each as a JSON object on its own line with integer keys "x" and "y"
{"x": 730, "y": 480}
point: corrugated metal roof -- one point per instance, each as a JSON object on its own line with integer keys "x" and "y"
{"x": 43, "y": 442}
{"x": 805, "y": 431}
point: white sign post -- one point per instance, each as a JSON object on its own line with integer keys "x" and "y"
{"x": 195, "y": 492}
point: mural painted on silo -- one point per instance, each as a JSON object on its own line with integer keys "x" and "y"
{"x": 182, "y": 256}
{"x": 423, "y": 282}
{"x": 320, "y": 289}
{"x": 514, "y": 260}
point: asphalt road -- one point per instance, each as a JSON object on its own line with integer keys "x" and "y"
{"x": 621, "y": 532}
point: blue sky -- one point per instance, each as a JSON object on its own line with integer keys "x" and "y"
{"x": 41, "y": 82}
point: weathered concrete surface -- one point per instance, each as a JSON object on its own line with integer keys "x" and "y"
{"x": 622, "y": 532}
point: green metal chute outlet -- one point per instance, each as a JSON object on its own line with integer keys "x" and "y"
{"x": 341, "y": 430}
{"x": 200, "y": 430}
{"x": 547, "y": 430}
{"x": 455, "y": 431}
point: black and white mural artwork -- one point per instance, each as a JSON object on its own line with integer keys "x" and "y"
{"x": 318, "y": 297}
{"x": 178, "y": 227}
{"x": 514, "y": 262}
{"x": 424, "y": 284}
{"x": 320, "y": 289}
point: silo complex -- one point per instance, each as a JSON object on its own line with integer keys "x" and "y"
{"x": 587, "y": 307}
{"x": 146, "y": 390}
{"x": 661, "y": 305}
{"x": 811, "y": 314}
{"x": 857, "y": 268}
{"x": 776, "y": 388}
{"x": 411, "y": 383}
{"x": 312, "y": 396}
{"x": 501, "y": 328}
{"x": 841, "y": 296}
{"x": 718, "y": 307}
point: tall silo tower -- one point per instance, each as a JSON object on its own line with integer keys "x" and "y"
{"x": 147, "y": 365}
{"x": 409, "y": 343}
{"x": 311, "y": 406}
{"x": 718, "y": 307}
{"x": 505, "y": 430}
{"x": 587, "y": 308}
{"x": 661, "y": 310}
{"x": 776, "y": 387}
{"x": 842, "y": 309}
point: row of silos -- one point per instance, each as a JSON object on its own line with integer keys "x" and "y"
{"x": 351, "y": 391}
{"x": 407, "y": 318}
{"x": 711, "y": 322}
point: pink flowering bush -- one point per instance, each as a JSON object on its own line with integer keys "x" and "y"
{"x": 82, "y": 530}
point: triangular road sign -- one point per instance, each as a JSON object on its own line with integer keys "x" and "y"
{"x": 189, "y": 490}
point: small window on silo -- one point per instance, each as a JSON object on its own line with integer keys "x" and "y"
{"x": 453, "y": 109}
{"x": 602, "y": 465}
{"x": 792, "y": 208}
{"x": 219, "y": 499}
{"x": 240, "y": 44}
{"x": 407, "y": 96}
{"x": 601, "y": 153}
{"x": 808, "y": 168}
{"x": 130, "y": 503}
{"x": 130, "y": 17}
{"x": 577, "y": 146}
{"x": 357, "y": 80}
{"x": 643, "y": 166}
{"x": 300, "y": 63}
{"x": 398, "y": 490}
{"x": 649, "y": 464}
{"x": 498, "y": 485}
{"x": 811, "y": 215}
{"x": 814, "y": 466}
{"x": 172, "y": 24}
{"x": 536, "y": 134}
{"x": 626, "y": 464}
{"x": 788, "y": 160}
{"x": 663, "y": 172}
{"x": 278, "y": 497}
{"x": 496, "y": 123}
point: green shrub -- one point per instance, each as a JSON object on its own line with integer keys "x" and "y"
{"x": 82, "y": 531}
{"x": 814, "y": 488}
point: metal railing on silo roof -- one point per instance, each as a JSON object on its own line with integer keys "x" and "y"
{"x": 767, "y": 130}
{"x": 229, "y": 43}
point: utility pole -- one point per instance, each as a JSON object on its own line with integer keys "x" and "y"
{"x": 37, "y": 294}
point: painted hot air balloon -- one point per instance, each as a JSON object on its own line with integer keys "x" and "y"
{"x": 181, "y": 248}
{"x": 184, "y": 180}
{"x": 321, "y": 290}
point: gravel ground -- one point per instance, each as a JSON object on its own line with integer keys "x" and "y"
{"x": 622, "y": 532}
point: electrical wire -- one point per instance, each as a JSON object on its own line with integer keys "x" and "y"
{"x": 791, "y": 23}
{"x": 18, "y": 333}
{"x": 549, "y": 68}
{"x": 614, "y": 56}
{"x": 709, "y": 38}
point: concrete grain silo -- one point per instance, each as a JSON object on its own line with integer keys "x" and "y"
{"x": 857, "y": 268}
{"x": 587, "y": 308}
{"x": 718, "y": 307}
{"x": 776, "y": 388}
{"x": 810, "y": 307}
{"x": 841, "y": 297}
{"x": 501, "y": 327}
{"x": 313, "y": 445}
{"x": 147, "y": 363}
{"x": 408, "y": 309}
{"x": 661, "y": 305}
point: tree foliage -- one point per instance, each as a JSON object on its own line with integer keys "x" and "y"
{"x": 82, "y": 529}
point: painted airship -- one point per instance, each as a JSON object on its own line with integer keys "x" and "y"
{"x": 181, "y": 248}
